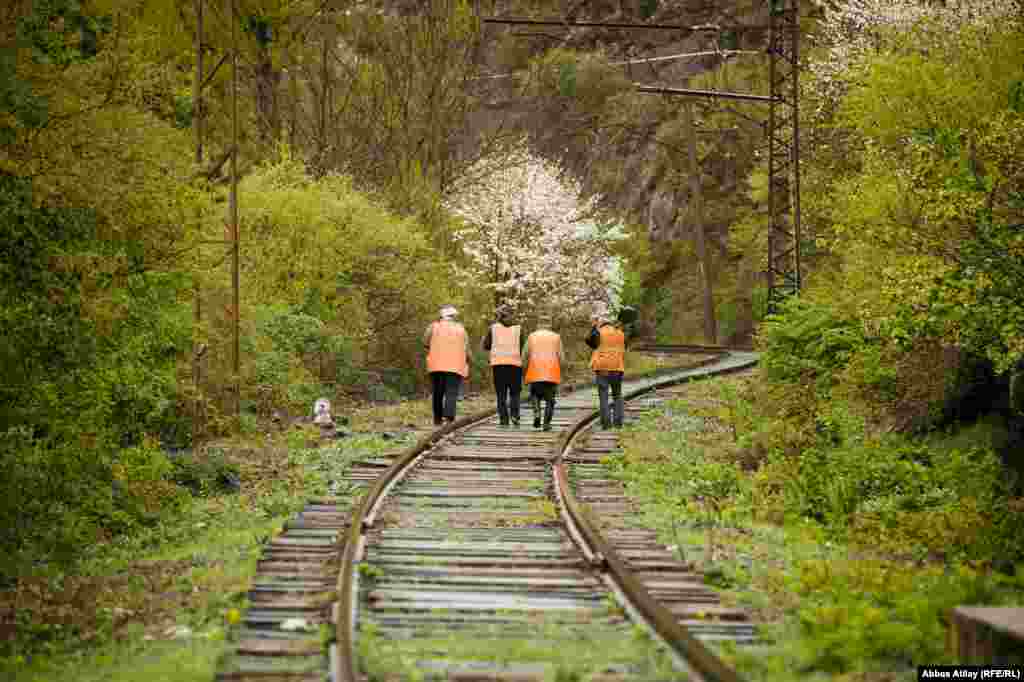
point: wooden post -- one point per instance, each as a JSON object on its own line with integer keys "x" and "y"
{"x": 233, "y": 217}
{"x": 697, "y": 218}
{"x": 197, "y": 123}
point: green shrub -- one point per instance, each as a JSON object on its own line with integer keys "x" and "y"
{"x": 297, "y": 357}
{"x": 205, "y": 472}
{"x": 61, "y": 496}
{"x": 808, "y": 340}
{"x": 886, "y": 612}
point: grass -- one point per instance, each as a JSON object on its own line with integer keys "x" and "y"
{"x": 834, "y": 609}
{"x": 115, "y": 617}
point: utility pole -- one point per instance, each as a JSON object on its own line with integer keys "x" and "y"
{"x": 233, "y": 215}
{"x": 697, "y": 218}
{"x": 197, "y": 85}
{"x": 325, "y": 92}
{"x": 197, "y": 123}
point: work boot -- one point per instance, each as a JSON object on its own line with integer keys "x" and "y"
{"x": 535, "y": 404}
{"x": 549, "y": 412}
{"x": 515, "y": 422}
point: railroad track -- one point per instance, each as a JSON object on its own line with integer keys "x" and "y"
{"x": 488, "y": 553}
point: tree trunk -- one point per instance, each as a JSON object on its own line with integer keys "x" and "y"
{"x": 267, "y": 78}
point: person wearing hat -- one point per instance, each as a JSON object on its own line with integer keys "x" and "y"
{"x": 608, "y": 362}
{"x": 447, "y": 346}
{"x": 502, "y": 343}
{"x": 542, "y": 357}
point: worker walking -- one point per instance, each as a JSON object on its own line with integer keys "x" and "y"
{"x": 502, "y": 342}
{"x": 609, "y": 364}
{"x": 447, "y": 346}
{"x": 542, "y": 357}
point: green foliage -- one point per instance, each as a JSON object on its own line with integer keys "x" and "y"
{"x": 924, "y": 222}
{"x": 585, "y": 79}
{"x": 66, "y": 495}
{"x": 60, "y": 32}
{"x": 807, "y": 340}
{"x": 88, "y": 355}
{"x": 403, "y": 101}
{"x": 882, "y": 537}
{"x": 303, "y": 357}
{"x": 18, "y": 100}
{"x": 886, "y": 613}
{"x": 204, "y": 473}
{"x": 350, "y": 279}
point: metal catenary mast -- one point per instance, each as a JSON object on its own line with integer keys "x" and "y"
{"x": 783, "y": 129}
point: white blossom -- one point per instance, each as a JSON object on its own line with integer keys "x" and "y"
{"x": 529, "y": 234}
{"x": 853, "y": 30}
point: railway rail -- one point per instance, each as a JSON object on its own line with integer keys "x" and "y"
{"x": 489, "y": 553}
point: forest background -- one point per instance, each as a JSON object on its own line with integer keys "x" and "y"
{"x": 363, "y": 125}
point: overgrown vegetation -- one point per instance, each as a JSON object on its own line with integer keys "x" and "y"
{"x": 852, "y": 546}
{"x": 893, "y": 382}
{"x": 161, "y": 600}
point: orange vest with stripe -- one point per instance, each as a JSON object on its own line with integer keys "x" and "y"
{"x": 505, "y": 345}
{"x": 448, "y": 348}
{"x": 610, "y": 354}
{"x": 543, "y": 362}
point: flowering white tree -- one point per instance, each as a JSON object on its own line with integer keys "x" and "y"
{"x": 528, "y": 234}
{"x": 853, "y": 30}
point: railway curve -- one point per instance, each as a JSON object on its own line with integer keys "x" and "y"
{"x": 452, "y": 538}
{"x": 488, "y": 553}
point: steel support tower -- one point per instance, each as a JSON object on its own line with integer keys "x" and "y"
{"x": 782, "y": 130}
{"x": 783, "y": 152}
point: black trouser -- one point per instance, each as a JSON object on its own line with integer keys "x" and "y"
{"x": 508, "y": 383}
{"x": 446, "y": 394}
{"x": 546, "y": 391}
{"x": 606, "y": 379}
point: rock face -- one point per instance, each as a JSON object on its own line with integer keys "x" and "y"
{"x": 630, "y": 146}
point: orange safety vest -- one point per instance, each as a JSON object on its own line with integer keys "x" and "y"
{"x": 610, "y": 354}
{"x": 448, "y": 348}
{"x": 505, "y": 345}
{"x": 543, "y": 362}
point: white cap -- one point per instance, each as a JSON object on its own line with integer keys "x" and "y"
{"x": 448, "y": 312}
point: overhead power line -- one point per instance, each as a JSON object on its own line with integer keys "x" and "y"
{"x": 624, "y": 25}
{"x": 720, "y": 94}
{"x": 664, "y": 58}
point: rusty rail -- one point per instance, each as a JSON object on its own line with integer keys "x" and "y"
{"x": 697, "y": 658}
{"x": 343, "y": 659}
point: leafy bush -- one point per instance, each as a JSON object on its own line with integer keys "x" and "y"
{"x": 808, "y": 340}
{"x": 89, "y": 336}
{"x": 205, "y": 472}
{"x": 61, "y": 496}
{"x": 885, "y": 612}
{"x": 898, "y": 494}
